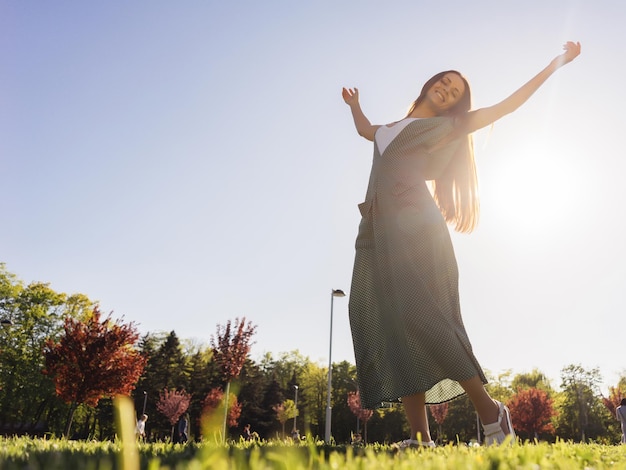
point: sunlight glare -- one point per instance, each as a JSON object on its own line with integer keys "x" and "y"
{"x": 533, "y": 191}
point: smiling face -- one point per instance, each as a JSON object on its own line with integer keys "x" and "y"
{"x": 446, "y": 92}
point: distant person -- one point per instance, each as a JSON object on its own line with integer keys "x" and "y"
{"x": 183, "y": 429}
{"x": 140, "y": 431}
{"x": 295, "y": 434}
{"x": 620, "y": 413}
{"x": 410, "y": 343}
{"x": 247, "y": 435}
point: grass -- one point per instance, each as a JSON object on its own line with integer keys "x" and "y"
{"x": 56, "y": 454}
{"x": 127, "y": 454}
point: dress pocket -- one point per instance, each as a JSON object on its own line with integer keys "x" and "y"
{"x": 365, "y": 208}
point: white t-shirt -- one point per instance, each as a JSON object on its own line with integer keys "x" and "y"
{"x": 385, "y": 134}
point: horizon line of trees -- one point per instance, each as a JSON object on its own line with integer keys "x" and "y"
{"x": 57, "y": 342}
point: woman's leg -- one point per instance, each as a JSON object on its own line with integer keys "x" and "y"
{"x": 415, "y": 409}
{"x": 486, "y": 407}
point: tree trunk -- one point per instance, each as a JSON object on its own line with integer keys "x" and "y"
{"x": 226, "y": 396}
{"x": 70, "y": 417}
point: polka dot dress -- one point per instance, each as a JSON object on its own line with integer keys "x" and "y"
{"x": 405, "y": 317}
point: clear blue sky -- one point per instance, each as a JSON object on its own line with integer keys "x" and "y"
{"x": 186, "y": 163}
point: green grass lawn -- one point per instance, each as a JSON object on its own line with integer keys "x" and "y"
{"x": 53, "y": 454}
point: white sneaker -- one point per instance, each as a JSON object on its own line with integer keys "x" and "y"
{"x": 414, "y": 443}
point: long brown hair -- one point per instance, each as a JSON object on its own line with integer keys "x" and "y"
{"x": 456, "y": 189}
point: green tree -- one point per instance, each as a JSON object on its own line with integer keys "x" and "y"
{"x": 499, "y": 387}
{"x": 28, "y": 402}
{"x": 253, "y": 384}
{"x": 272, "y": 396}
{"x": 170, "y": 364}
{"x": 202, "y": 377}
{"x": 313, "y": 388}
{"x": 388, "y": 424}
{"x": 344, "y": 382}
{"x": 581, "y": 413}
{"x": 534, "y": 379}
{"x": 461, "y": 422}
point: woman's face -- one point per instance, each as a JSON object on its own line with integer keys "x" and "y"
{"x": 445, "y": 93}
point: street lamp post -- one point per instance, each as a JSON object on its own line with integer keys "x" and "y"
{"x": 295, "y": 415}
{"x": 145, "y": 399}
{"x": 334, "y": 293}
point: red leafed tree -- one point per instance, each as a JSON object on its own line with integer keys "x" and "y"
{"x": 93, "y": 359}
{"x": 614, "y": 399}
{"x": 439, "y": 412}
{"x": 230, "y": 350}
{"x": 362, "y": 414}
{"x": 172, "y": 404}
{"x": 531, "y": 412}
{"x": 213, "y": 400}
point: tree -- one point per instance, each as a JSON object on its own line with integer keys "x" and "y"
{"x": 461, "y": 423}
{"x": 362, "y": 414}
{"x": 93, "y": 360}
{"x": 230, "y": 350}
{"x": 614, "y": 399}
{"x": 253, "y": 387}
{"x": 499, "y": 387}
{"x": 313, "y": 388}
{"x": 212, "y": 403}
{"x": 272, "y": 396}
{"x": 439, "y": 412}
{"x": 200, "y": 382}
{"x": 533, "y": 379}
{"x": 531, "y": 412}
{"x": 344, "y": 381}
{"x": 172, "y": 404}
{"x": 169, "y": 363}
{"x": 581, "y": 413}
{"x": 28, "y": 403}
{"x": 388, "y": 424}
{"x": 284, "y": 412}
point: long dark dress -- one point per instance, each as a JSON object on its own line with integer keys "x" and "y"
{"x": 405, "y": 317}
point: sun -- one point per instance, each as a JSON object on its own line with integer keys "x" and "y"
{"x": 532, "y": 188}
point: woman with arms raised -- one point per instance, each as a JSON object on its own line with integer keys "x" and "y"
{"x": 409, "y": 340}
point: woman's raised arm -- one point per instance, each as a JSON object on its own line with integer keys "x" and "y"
{"x": 362, "y": 124}
{"x": 485, "y": 116}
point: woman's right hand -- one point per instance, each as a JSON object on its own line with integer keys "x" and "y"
{"x": 350, "y": 96}
{"x": 572, "y": 50}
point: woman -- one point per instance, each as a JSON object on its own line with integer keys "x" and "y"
{"x": 408, "y": 334}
